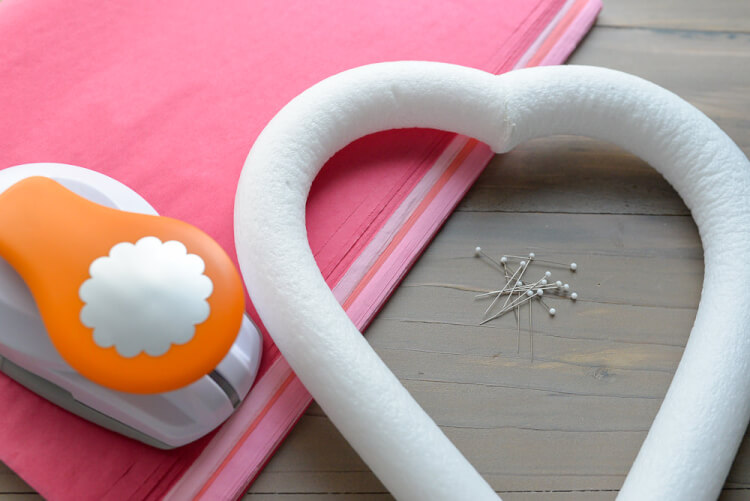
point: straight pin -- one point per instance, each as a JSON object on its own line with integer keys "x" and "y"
{"x": 518, "y": 324}
{"x": 522, "y": 267}
{"x": 523, "y": 288}
{"x": 531, "y": 332}
{"x": 478, "y": 252}
{"x": 523, "y": 298}
{"x": 515, "y": 281}
{"x": 532, "y": 256}
{"x": 515, "y": 304}
{"x": 551, "y": 311}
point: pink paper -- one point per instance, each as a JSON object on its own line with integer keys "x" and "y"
{"x": 168, "y": 97}
{"x": 234, "y": 457}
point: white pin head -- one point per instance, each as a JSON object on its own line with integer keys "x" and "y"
{"x": 573, "y": 267}
{"x": 574, "y": 296}
{"x": 552, "y": 312}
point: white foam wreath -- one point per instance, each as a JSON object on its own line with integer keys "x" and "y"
{"x": 695, "y": 435}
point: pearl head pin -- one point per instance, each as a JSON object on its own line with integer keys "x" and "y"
{"x": 532, "y": 257}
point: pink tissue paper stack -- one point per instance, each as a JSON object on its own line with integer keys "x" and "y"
{"x": 168, "y": 97}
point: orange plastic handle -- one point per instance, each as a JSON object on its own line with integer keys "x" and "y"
{"x": 50, "y": 236}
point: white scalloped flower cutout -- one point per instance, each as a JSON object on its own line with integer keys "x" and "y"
{"x": 145, "y": 297}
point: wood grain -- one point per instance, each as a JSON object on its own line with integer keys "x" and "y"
{"x": 12, "y": 485}
{"x": 716, "y": 15}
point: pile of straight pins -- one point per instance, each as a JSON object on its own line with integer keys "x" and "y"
{"x": 519, "y": 291}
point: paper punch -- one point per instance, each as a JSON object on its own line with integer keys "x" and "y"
{"x": 131, "y": 320}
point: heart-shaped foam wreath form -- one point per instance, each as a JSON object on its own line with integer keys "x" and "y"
{"x": 695, "y": 435}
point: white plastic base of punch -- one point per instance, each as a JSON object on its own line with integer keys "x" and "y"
{"x": 164, "y": 420}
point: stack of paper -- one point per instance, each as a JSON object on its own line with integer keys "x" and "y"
{"x": 168, "y": 97}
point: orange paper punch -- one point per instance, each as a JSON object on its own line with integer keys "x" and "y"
{"x": 130, "y": 319}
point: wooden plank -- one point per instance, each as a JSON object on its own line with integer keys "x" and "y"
{"x": 571, "y": 174}
{"x": 11, "y": 483}
{"x": 735, "y": 494}
{"x": 568, "y": 174}
{"x": 716, "y": 15}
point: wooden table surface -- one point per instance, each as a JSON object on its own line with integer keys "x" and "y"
{"x": 568, "y": 425}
